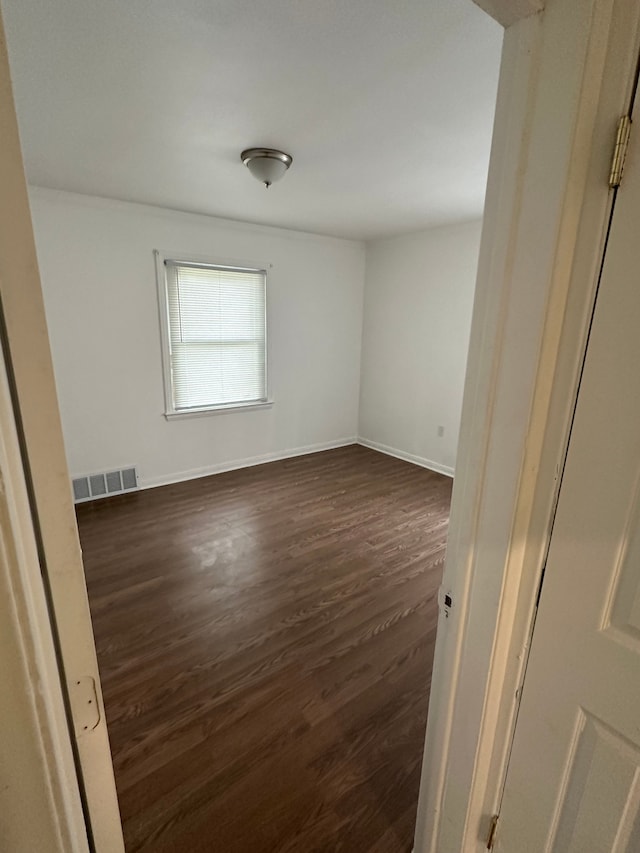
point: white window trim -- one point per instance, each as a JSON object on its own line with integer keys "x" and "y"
{"x": 170, "y": 412}
{"x": 179, "y": 414}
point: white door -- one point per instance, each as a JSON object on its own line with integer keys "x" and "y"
{"x": 573, "y": 784}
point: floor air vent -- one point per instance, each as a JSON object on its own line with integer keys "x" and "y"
{"x": 102, "y": 485}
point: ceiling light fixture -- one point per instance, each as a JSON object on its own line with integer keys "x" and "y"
{"x": 266, "y": 164}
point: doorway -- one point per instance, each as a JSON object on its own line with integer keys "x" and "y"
{"x": 563, "y": 87}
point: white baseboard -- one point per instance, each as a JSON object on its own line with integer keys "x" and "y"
{"x": 247, "y": 462}
{"x": 407, "y": 457}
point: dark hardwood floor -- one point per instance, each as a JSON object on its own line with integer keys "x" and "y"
{"x": 265, "y": 640}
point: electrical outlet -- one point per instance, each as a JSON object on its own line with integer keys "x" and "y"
{"x": 440, "y": 431}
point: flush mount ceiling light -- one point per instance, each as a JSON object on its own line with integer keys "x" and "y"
{"x": 266, "y": 164}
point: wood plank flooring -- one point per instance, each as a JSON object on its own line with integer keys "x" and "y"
{"x": 265, "y": 640}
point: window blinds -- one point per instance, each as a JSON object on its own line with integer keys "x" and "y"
{"x": 217, "y": 335}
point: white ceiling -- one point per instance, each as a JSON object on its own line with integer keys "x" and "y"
{"x": 385, "y": 105}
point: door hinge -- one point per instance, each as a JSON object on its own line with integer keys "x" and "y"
{"x": 491, "y": 837}
{"x": 620, "y": 151}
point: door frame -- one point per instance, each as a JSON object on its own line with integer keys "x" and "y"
{"x": 42, "y": 795}
{"x": 566, "y": 77}
{"x": 66, "y": 629}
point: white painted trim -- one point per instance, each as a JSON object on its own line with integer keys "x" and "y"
{"x": 566, "y": 77}
{"x": 251, "y": 461}
{"x": 48, "y": 474}
{"x": 246, "y": 462}
{"x": 162, "y": 287}
{"x": 422, "y": 461}
{"x": 230, "y": 408}
{"x": 40, "y": 802}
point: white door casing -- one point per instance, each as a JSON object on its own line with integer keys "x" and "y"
{"x": 573, "y": 784}
{"x": 566, "y": 77}
{"x": 38, "y": 418}
{"x": 40, "y": 804}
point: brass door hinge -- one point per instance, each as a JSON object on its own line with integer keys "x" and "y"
{"x": 620, "y": 151}
{"x": 491, "y": 837}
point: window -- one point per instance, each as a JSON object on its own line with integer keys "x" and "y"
{"x": 214, "y": 330}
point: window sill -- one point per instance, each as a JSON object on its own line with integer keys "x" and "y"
{"x": 217, "y": 410}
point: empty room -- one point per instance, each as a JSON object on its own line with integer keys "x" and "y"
{"x": 257, "y": 229}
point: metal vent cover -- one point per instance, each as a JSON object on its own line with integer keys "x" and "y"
{"x": 81, "y": 490}
{"x": 114, "y": 482}
{"x": 95, "y": 486}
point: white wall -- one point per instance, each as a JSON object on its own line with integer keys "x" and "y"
{"x": 99, "y": 285}
{"x": 417, "y": 317}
